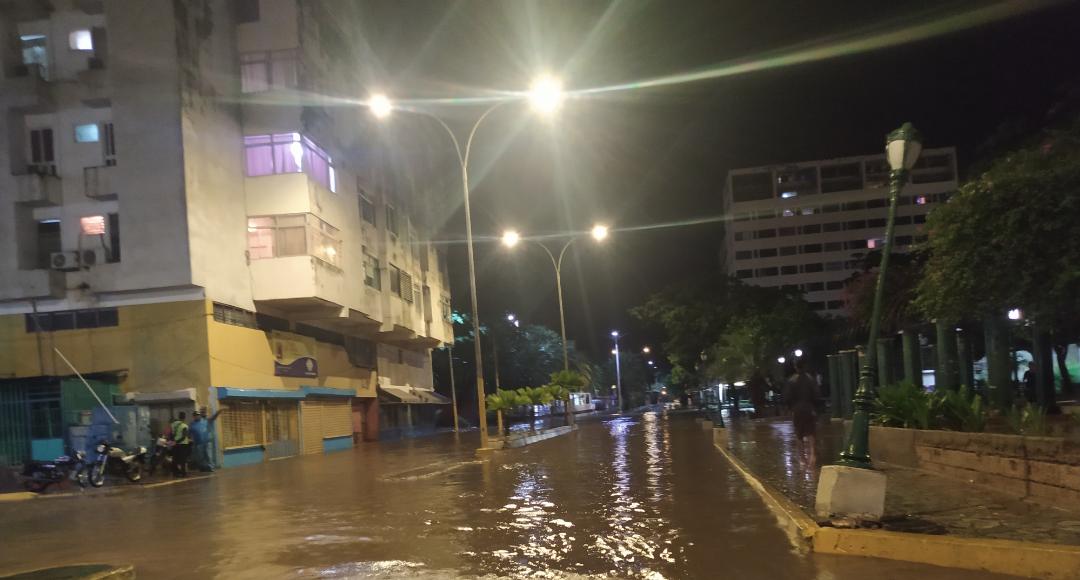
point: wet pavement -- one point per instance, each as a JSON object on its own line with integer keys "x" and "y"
{"x": 642, "y": 496}
{"x": 915, "y": 501}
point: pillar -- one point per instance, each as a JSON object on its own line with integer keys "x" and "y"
{"x": 849, "y": 370}
{"x": 945, "y": 347}
{"x": 965, "y": 370}
{"x": 912, "y": 357}
{"x": 835, "y": 387}
{"x": 1042, "y": 352}
{"x": 998, "y": 365}
{"x": 886, "y": 361}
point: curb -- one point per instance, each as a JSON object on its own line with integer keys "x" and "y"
{"x": 1026, "y": 559}
{"x": 95, "y": 492}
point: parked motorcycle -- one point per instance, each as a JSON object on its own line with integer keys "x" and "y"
{"x": 162, "y": 456}
{"x": 39, "y": 475}
{"x": 115, "y": 460}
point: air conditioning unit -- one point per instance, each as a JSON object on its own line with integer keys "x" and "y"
{"x": 64, "y": 261}
{"x": 91, "y": 258}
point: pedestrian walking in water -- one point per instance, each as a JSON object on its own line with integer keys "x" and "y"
{"x": 182, "y": 449}
{"x": 801, "y": 396}
{"x": 202, "y": 437}
{"x": 758, "y": 385}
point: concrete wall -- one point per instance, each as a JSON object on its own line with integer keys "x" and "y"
{"x": 403, "y": 366}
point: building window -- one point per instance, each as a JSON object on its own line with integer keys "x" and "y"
{"x": 789, "y": 250}
{"x": 856, "y": 245}
{"x": 833, "y": 227}
{"x": 35, "y": 55}
{"x": 834, "y": 285}
{"x": 918, "y": 219}
{"x": 740, "y": 236}
{"x": 269, "y": 70}
{"x": 367, "y": 210}
{"x": 81, "y": 40}
{"x": 833, "y": 266}
{"x": 87, "y": 133}
{"x": 789, "y": 212}
{"x": 48, "y": 241}
{"x": 372, "y": 276}
{"x": 854, "y": 205}
{"x": 811, "y": 249}
{"x": 293, "y": 235}
{"x": 814, "y": 287}
{"x": 903, "y": 240}
{"x": 807, "y": 211}
{"x": 112, "y": 252}
{"x": 268, "y": 323}
{"x": 875, "y": 203}
{"x": 902, "y": 220}
{"x": 875, "y": 223}
{"x": 234, "y": 316}
{"x": 391, "y": 220}
{"x": 108, "y": 144}
{"x": 72, "y": 320}
{"x": 92, "y": 225}
{"x": 789, "y": 231}
{"x": 395, "y": 280}
{"x": 835, "y": 304}
{"x": 855, "y": 225}
{"x": 744, "y": 255}
{"x": 811, "y": 229}
{"x": 834, "y": 246}
{"x": 407, "y": 293}
{"x": 812, "y": 268}
{"x": 788, "y": 270}
{"x": 767, "y": 272}
{"x": 767, "y": 253}
{"x": 744, "y": 274}
{"x": 42, "y": 154}
{"x": 752, "y": 186}
{"x": 831, "y": 208}
{"x": 288, "y": 153}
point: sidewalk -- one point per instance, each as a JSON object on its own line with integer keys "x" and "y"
{"x": 916, "y": 502}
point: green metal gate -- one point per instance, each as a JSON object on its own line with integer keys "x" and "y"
{"x": 14, "y": 424}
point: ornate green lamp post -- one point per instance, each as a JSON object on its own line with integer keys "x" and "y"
{"x": 902, "y": 148}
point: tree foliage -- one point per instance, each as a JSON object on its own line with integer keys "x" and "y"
{"x": 898, "y": 310}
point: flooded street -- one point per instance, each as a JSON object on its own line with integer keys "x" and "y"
{"x": 635, "y": 496}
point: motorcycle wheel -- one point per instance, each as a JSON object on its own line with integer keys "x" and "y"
{"x": 134, "y": 472}
{"x": 81, "y": 476}
{"x": 97, "y": 475}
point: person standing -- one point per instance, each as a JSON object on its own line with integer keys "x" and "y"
{"x": 202, "y": 436}
{"x": 182, "y": 449}
{"x": 758, "y": 385}
{"x": 801, "y": 396}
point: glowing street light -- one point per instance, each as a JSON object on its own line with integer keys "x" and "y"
{"x": 781, "y": 360}
{"x": 599, "y": 232}
{"x": 510, "y": 238}
{"x": 646, "y": 350}
{"x": 798, "y": 352}
{"x": 546, "y": 94}
{"x": 380, "y": 106}
{"x": 1015, "y": 314}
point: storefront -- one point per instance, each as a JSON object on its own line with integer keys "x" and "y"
{"x": 327, "y": 417}
{"x": 408, "y": 411}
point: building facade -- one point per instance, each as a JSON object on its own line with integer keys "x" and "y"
{"x": 191, "y": 222}
{"x": 806, "y": 226}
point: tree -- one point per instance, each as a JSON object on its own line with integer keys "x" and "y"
{"x": 503, "y": 401}
{"x": 1011, "y": 238}
{"x": 562, "y": 384}
{"x": 898, "y": 310}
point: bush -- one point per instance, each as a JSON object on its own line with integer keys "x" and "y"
{"x": 1027, "y": 420}
{"x": 961, "y": 410}
{"x": 903, "y": 405}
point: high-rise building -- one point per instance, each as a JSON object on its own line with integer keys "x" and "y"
{"x": 806, "y": 225}
{"x": 192, "y": 221}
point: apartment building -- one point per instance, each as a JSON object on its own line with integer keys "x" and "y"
{"x": 189, "y": 223}
{"x": 805, "y": 226}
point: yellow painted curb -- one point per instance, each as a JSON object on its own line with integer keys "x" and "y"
{"x": 1028, "y": 559}
{"x": 17, "y": 496}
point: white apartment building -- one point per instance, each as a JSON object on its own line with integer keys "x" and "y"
{"x": 806, "y": 225}
{"x": 187, "y": 221}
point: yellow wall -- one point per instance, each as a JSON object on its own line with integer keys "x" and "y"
{"x": 243, "y": 357}
{"x": 163, "y": 347}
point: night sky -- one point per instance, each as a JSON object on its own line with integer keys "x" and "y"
{"x": 647, "y": 157}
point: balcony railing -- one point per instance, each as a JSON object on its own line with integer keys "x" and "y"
{"x": 98, "y": 182}
{"x": 38, "y": 189}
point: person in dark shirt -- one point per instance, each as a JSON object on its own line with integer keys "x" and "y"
{"x": 801, "y": 396}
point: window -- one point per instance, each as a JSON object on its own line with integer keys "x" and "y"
{"x": 817, "y": 305}
{"x": 807, "y": 211}
{"x": 288, "y": 153}
{"x": 875, "y": 203}
{"x": 395, "y": 280}
{"x": 789, "y": 270}
{"x": 788, "y": 212}
{"x": 811, "y": 268}
{"x": 854, "y": 205}
{"x": 796, "y": 181}
{"x": 234, "y": 316}
{"x": 811, "y": 249}
{"x": 406, "y": 287}
{"x": 831, "y": 208}
{"x": 833, "y": 227}
{"x": 72, "y": 320}
{"x": 35, "y": 54}
{"x": 367, "y": 210}
{"x": 835, "y": 304}
{"x": 293, "y": 235}
{"x": 108, "y": 144}
{"x": 812, "y": 229}
{"x": 113, "y": 250}
{"x": 246, "y": 11}
{"x": 81, "y": 40}
{"x": 48, "y": 241}
{"x": 903, "y": 240}
{"x": 267, "y": 323}
{"x": 789, "y": 250}
{"x": 767, "y": 253}
{"x": 918, "y": 219}
{"x": 767, "y": 233}
{"x": 902, "y": 220}
{"x": 93, "y": 225}
{"x": 834, "y": 285}
{"x": 834, "y": 246}
{"x": 765, "y": 214}
{"x": 372, "y": 275}
{"x": 877, "y": 173}
{"x": 744, "y": 274}
{"x": 42, "y": 155}
{"x": 814, "y": 287}
{"x": 856, "y": 245}
{"x": 875, "y": 223}
{"x": 920, "y": 200}
{"x": 269, "y": 70}
{"x": 855, "y": 225}
{"x": 87, "y": 133}
{"x": 740, "y": 236}
{"x": 841, "y": 177}
{"x": 788, "y": 231}
{"x": 744, "y": 255}
{"x": 391, "y": 220}
{"x": 833, "y": 266}
{"x": 768, "y": 272}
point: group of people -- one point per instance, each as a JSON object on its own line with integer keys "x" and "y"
{"x": 800, "y": 396}
{"x": 192, "y": 443}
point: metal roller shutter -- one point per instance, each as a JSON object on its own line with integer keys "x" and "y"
{"x": 337, "y": 418}
{"x": 312, "y": 426}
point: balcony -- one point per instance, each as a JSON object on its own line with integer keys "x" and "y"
{"x": 98, "y": 182}
{"x": 38, "y": 189}
{"x": 27, "y": 284}
{"x": 302, "y": 286}
{"x": 25, "y": 87}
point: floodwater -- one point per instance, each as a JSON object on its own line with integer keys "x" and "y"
{"x": 640, "y": 496}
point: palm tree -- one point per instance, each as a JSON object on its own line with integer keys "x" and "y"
{"x": 502, "y": 401}
{"x": 534, "y": 396}
{"x": 562, "y": 384}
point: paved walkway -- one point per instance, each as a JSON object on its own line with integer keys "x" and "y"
{"x": 915, "y": 501}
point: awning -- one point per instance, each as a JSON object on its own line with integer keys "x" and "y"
{"x": 328, "y": 391}
{"x": 233, "y": 392}
{"x": 410, "y": 395}
{"x": 182, "y": 395}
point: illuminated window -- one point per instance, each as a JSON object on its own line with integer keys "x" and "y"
{"x": 93, "y": 225}
{"x": 293, "y": 235}
{"x": 789, "y": 212}
{"x": 81, "y": 40}
{"x": 873, "y": 243}
{"x": 920, "y": 200}
{"x": 288, "y": 153}
{"x": 789, "y": 194}
{"x": 87, "y": 133}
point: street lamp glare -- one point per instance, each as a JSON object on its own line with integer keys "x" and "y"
{"x": 1015, "y": 314}
{"x": 510, "y": 238}
{"x": 613, "y": 351}
{"x": 510, "y": 317}
{"x": 798, "y": 352}
{"x": 646, "y": 350}
{"x": 781, "y": 360}
{"x": 615, "y": 333}
{"x": 546, "y": 94}
{"x": 380, "y": 106}
{"x": 902, "y": 147}
{"x": 599, "y": 232}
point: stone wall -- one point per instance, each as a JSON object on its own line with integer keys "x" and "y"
{"x": 1045, "y": 469}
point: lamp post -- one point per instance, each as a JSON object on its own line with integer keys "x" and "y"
{"x": 545, "y": 95}
{"x": 511, "y": 238}
{"x": 902, "y": 148}
{"x": 618, "y": 370}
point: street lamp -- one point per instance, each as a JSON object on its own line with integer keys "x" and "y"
{"x": 798, "y": 352}
{"x": 646, "y": 350}
{"x": 781, "y": 359}
{"x": 618, "y": 370}
{"x": 545, "y": 95}
{"x": 510, "y": 238}
{"x": 851, "y": 486}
